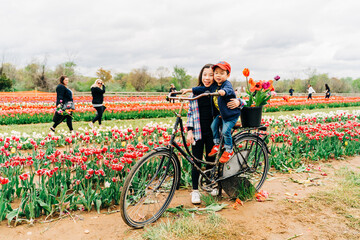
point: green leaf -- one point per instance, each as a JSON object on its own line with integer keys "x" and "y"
{"x": 11, "y": 215}
{"x": 43, "y": 205}
{"x": 98, "y": 205}
{"x": 214, "y": 207}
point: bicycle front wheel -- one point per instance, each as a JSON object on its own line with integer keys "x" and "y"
{"x": 149, "y": 188}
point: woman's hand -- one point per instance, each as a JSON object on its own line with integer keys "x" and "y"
{"x": 221, "y": 92}
{"x": 234, "y": 103}
{"x": 190, "y": 137}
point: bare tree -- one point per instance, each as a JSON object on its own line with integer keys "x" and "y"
{"x": 140, "y": 78}
{"x": 163, "y": 75}
{"x": 41, "y": 79}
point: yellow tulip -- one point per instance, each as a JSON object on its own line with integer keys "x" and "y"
{"x": 13, "y": 150}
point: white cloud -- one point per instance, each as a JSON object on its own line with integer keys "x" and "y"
{"x": 269, "y": 37}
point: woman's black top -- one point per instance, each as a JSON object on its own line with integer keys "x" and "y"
{"x": 98, "y": 95}
{"x": 327, "y": 88}
{"x": 206, "y": 116}
{"x": 63, "y": 93}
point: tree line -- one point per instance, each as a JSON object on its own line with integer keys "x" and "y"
{"x": 41, "y": 77}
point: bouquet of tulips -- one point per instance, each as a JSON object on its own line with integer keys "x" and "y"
{"x": 59, "y": 109}
{"x": 260, "y": 92}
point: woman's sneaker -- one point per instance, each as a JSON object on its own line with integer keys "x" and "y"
{"x": 195, "y": 197}
{"x": 214, "y": 150}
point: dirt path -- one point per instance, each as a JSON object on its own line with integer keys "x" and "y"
{"x": 280, "y": 218}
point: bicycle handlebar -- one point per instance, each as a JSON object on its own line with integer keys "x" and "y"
{"x": 193, "y": 98}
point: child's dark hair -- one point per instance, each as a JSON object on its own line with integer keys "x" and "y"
{"x": 227, "y": 71}
{"x": 209, "y": 65}
{"x": 62, "y": 78}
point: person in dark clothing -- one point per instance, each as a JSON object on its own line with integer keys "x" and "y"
{"x": 291, "y": 91}
{"x": 63, "y": 96}
{"x": 172, "y": 89}
{"x": 327, "y": 91}
{"x": 199, "y": 134}
{"x": 97, "y": 92}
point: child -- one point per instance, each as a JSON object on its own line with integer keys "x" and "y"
{"x": 228, "y": 116}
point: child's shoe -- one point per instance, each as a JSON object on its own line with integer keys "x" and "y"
{"x": 214, "y": 150}
{"x": 195, "y": 197}
{"x": 226, "y": 156}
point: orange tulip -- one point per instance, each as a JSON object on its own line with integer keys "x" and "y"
{"x": 246, "y": 72}
{"x": 271, "y": 86}
{"x": 251, "y": 81}
{"x": 256, "y": 86}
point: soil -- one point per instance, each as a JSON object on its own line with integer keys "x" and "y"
{"x": 280, "y": 217}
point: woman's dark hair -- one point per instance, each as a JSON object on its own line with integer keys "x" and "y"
{"x": 62, "y": 78}
{"x": 327, "y": 87}
{"x": 209, "y": 65}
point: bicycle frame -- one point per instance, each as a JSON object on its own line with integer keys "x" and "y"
{"x": 187, "y": 154}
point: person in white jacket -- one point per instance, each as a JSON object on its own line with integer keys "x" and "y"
{"x": 310, "y": 92}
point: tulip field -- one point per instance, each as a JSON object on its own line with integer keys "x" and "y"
{"x": 25, "y": 109}
{"x": 53, "y": 174}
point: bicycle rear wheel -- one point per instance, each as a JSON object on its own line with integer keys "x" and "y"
{"x": 149, "y": 188}
{"x": 251, "y": 161}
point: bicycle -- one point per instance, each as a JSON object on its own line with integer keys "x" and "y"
{"x": 151, "y": 183}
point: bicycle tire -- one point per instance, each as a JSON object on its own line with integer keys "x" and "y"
{"x": 253, "y": 167}
{"x": 142, "y": 192}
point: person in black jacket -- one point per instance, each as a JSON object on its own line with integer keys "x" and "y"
{"x": 97, "y": 92}
{"x": 327, "y": 91}
{"x": 63, "y": 96}
{"x": 172, "y": 89}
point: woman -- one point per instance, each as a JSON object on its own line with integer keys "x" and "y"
{"x": 172, "y": 89}
{"x": 63, "y": 96}
{"x": 327, "y": 91}
{"x": 199, "y": 134}
{"x": 97, "y": 92}
{"x": 310, "y": 92}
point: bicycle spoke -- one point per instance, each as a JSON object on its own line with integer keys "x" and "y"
{"x": 251, "y": 160}
{"x": 149, "y": 188}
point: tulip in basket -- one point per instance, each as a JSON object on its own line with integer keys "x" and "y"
{"x": 259, "y": 94}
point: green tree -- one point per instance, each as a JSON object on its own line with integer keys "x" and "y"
{"x": 356, "y": 85}
{"x": 31, "y": 73}
{"x": 180, "y": 78}
{"x": 5, "y": 83}
{"x": 121, "y": 79}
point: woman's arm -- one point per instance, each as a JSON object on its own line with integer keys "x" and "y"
{"x": 60, "y": 92}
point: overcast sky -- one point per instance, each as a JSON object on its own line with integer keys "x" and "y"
{"x": 269, "y": 37}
